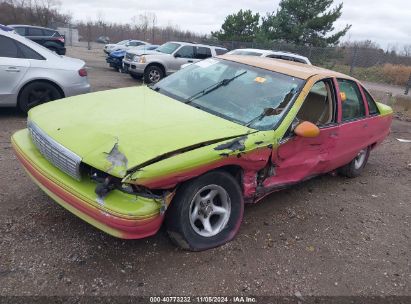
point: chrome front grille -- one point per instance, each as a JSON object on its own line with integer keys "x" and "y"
{"x": 59, "y": 156}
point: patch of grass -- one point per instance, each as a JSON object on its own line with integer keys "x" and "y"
{"x": 387, "y": 73}
{"x": 396, "y": 74}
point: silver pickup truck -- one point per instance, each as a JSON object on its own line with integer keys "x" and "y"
{"x": 167, "y": 59}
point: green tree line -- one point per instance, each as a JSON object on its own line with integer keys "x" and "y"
{"x": 301, "y": 22}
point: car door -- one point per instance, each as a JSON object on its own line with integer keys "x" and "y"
{"x": 298, "y": 158}
{"x": 185, "y": 54}
{"x": 12, "y": 70}
{"x": 354, "y": 122}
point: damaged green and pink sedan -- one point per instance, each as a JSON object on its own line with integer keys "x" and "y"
{"x": 192, "y": 149}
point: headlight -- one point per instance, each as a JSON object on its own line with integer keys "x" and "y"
{"x": 142, "y": 59}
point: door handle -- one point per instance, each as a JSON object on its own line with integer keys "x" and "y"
{"x": 12, "y": 69}
{"x": 190, "y": 61}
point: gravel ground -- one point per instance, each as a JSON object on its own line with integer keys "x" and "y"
{"x": 329, "y": 236}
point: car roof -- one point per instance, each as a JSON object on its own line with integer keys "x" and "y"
{"x": 197, "y": 44}
{"x": 254, "y": 50}
{"x": 31, "y": 26}
{"x": 268, "y": 52}
{"x": 295, "y": 69}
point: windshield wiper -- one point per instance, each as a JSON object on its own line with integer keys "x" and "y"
{"x": 213, "y": 87}
{"x": 274, "y": 111}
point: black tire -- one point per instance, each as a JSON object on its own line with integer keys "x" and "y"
{"x": 153, "y": 74}
{"x": 356, "y": 166}
{"x": 136, "y": 76}
{"x": 36, "y": 93}
{"x": 179, "y": 215}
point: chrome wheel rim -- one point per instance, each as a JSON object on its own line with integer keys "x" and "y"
{"x": 210, "y": 210}
{"x": 359, "y": 160}
{"x": 154, "y": 76}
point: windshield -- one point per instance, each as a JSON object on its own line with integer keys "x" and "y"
{"x": 234, "y": 91}
{"x": 168, "y": 47}
{"x": 122, "y": 42}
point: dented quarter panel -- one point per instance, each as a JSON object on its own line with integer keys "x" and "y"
{"x": 169, "y": 172}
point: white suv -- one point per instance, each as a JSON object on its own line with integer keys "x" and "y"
{"x": 271, "y": 54}
{"x": 167, "y": 59}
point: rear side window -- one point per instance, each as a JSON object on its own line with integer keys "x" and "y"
{"x": 20, "y": 30}
{"x": 14, "y": 49}
{"x": 33, "y": 31}
{"x": 220, "y": 51}
{"x": 28, "y": 53}
{"x": 8, "y": 48}
{"x": 203, "y": 52}
{"x": 372, "y": 106}
{"x": 51, "y": 33}
{"x": 353, "y": 105}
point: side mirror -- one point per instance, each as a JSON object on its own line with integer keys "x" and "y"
{"x": 307, "y": 129}
{"x": 177, "y": 55}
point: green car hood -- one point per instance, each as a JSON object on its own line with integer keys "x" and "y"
{"x": 118, "y": 130}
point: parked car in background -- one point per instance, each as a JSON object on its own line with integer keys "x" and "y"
{"x": 31, "y": 74}
{"x": 123, "y": 45}
{"x": 202, "y": 149}
{"x": 115, "y": 59}
{"x": 46, "y": 37}
{"x": 271, "y": 54}
{"x": 103, "y": 39}
{"x": 167, "y": 59}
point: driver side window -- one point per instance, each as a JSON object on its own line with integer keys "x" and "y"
{"x": 319, "y": 105}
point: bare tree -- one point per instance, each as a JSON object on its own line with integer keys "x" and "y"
{"x": 407, "y": 50}
{"x": 144, "y": 23}
{"x": 152, "y": 18}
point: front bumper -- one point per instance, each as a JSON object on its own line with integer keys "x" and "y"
{"x": 134, "y": 67}
{"x": 119, "y": 214}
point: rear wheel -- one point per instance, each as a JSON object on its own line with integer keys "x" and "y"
{"x": 206, "y": 212}
{"x": 356, "y": 166}
{"x": 37, "y": 93}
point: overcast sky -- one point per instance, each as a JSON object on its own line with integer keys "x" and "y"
{"x": 386, "y": 22}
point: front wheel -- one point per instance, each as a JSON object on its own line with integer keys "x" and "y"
{"x": 206, "y": 212}
{"x": 356, "y": 166}
{"x": 153, "y": 74}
